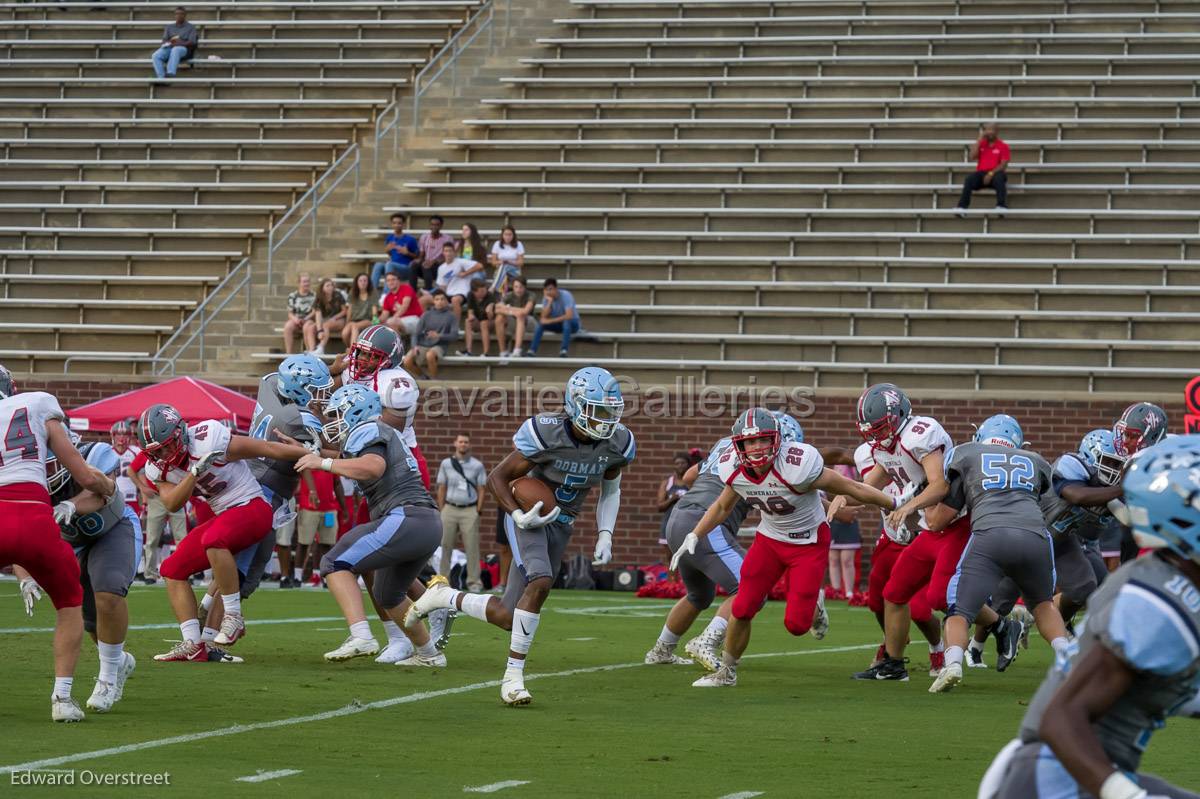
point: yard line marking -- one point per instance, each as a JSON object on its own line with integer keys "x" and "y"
{"x": 303, "y": 620}
{"x": 263, "y": 776}
{"x": 581, "y": 639}
{"x": 495, "y": 786}
{"x": 742, "y": 795}
{"x": 360, "y": 707}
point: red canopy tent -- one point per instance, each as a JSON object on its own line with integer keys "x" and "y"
{"x": 196, "y": 399}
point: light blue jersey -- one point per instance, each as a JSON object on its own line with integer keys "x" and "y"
{"x": 572, "y": 465}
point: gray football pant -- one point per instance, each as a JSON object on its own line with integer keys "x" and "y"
{"x": 1076, "y": 577}
{"x": 1023, "y": 556}
{"x": 396, "y": 546}
{"x": 1034, "y": 773}
{"x": 717, "y": 560}
{"x": 108, "y": 564}
{"x": 537, "y": 553}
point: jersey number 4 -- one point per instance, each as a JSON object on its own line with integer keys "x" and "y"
{"x": 19, "y": 438}
{"x": 1001, "y": 471}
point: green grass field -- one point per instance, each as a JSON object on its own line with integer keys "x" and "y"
{"x": 601, "y": 724}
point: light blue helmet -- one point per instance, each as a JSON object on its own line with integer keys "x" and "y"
{"x": 789, "y": 428}
{"x": 1000, "y": 429}
{"x": 593, "y": 401}
{"x": 1162, "y": 493}
{"x": 1096, "y": 450}
{"x": 303, "y": 379}
{"x": 349, "y": 407}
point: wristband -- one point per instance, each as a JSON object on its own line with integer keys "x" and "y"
{"x": 896, "y": 503}
{"x": 1118, "y": 786}
{"x": 327, "y": 464}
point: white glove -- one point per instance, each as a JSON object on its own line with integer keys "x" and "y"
{"x": 603, "y": 553}
{"x": 31, "y": 592}
{"x": 688, "y": 546}
{"x": 64, "y": 512}
{"x": 1118, "y": 786}
{"x": 530, "y": 519}
{"x": 205, "y": 462}
{"x": 1119, "y": 511}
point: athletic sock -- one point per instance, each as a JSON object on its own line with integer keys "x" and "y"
{"x": 62, "y": 687}
{"x": 394, "y": 633}
{"x": 975, "y": 646}
{"x": 427, "y": 649}
{"x": 524, "y": 627}
{"x": 361, "y": 629}
{"x": 728, "y": 660}
{"x": 206, "y": 601}
{"x": 941, "y": 647}
{"x": 954, "y": 655}
{"x": 1060, "y": 646}
{"x": 111, "y": 656}
{"x": 475, "y": 605}
{"x": 516, "y": 664}
{"x": 209, "y": 635}
{"x": 190, "y": 630}
{"x": 667, "y": 638}
{"x": 233, "y": 603}
{"x": 716, "y": 628}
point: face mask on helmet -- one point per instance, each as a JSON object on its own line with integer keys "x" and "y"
{"x": 598, "y": 420}
{"x": 321, "y": 395}
{"x": 337, "y": 428}
{"x": 757, "y": 449}
{"x": 1142, "y": 425}
{"x": 366, "y": 360}
{"x": 882, "y": 431}
{"x": 171, "y": 452}
{"x": 1109, "y": 466}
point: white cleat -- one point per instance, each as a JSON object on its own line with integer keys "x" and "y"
{"x": 663, "y": 655}
{"x": 975, "y": 659}
{"x": 353, "y": 648}
{"x": 440, "y": 621}
{"x": 436, "y": 597}
{"x": 949, "y": 677}
{"x": 103, "y": 697}
{"x": 233, "y": 627}
{"x": 396, "y": 651}
{"x": 127, "y": 667}
{"x": 820, "y": 625}
{"x": 721, "y": 678}
{"x": 512, "y": 689}
{"x": 66, "y": 710}
{"x": 705, "y": 652}
{"x": 437, "y": 661}
{"x": 1022, "y": 614}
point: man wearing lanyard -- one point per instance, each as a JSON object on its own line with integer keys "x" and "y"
{"x": 459, "y": 480}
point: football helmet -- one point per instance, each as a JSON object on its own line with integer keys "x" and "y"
{"x": 163, "y": 435}
{"x": 754, "y": 425}
{"x": 882, "y": 411}
{"x": 1162, "y": 493}
{"x": 594, "y": 403}
{"x": 56, "y": 474}
{"x": 1000, "y": 429}
{"x": 349, "y": 407}
{"x": 1096, "y": 450}
{"x": 1142, "y": 425}
{"x": 789, "y": 429}
{"x": 7, "y": 387}
{"x": 377, "y": 347}
{"x": 303, "y": 379}
{"x": 120, "y": 433}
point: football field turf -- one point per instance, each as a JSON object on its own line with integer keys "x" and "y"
{"x": 601, "y": 724}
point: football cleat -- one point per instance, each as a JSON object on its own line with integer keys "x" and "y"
{"x": 437, "y": 661}
{"x": 438, "y": 595}
{"x": 723, "y": 677}
{"x": 353, "y": 648}
{"x": 233, "y": 628}
{"x": 512, "y": 689}
{"x": 704, "y": 651}
{"x": 440, "y": 621}
{"x": 103, "y": 697}
{"x": 660, "y": 654}
{"x": 820, "y": 625}
{"x": 975, "y": 659}
{"x": 890, "y": 669}
{"x": 947, "y": 679}
{"x": 1008, "y": 639}
{"x": 218, "y": 655}
{"x": 396, "y": 651}
{"x": 127, "y": 667}
{"x": 65, "y": 709}
{"x": 1022, "y": 614}
{"x": 185, "y": 651}
{"x": 937, "y": 661}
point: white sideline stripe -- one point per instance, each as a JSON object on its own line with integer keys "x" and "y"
{"x": 581, "y": 639}
{"x": 359, "y": 707}
{"x": 263, "y": 776}
{"x": 254, "y": 622}
{"x": 495, "y": 786}
{"x": 742, "y": 795}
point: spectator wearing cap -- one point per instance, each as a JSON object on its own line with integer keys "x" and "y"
{"x": 430, "y": 257}
{"x": 179, "y": 42}
{"x": 402, "y": 248}
{"x": 460, "y": 495}
{"x": 516, "y": 305}
{"x": 481, "y": 315}
{"x": 157, "y": 517}
{"x": 559, "y": 315}
{"x": 437, "y": 329}
{"x": 991, "y": 164}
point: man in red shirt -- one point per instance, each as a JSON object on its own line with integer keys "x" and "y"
{"x": 400, "y": 307}
{"x": 318, "y": 521}
{"x": 991, "y": 162}
{"x": 157, "y": 518}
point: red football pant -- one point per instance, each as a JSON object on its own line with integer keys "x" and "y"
{"x": 421, "y": 465}
{"x": 883, "y": 561}
{"x": 29, "y": 537}
{"x": 928, "y": 564}
{"x": 767, "y": 561}
{"x": 235, "y": 529}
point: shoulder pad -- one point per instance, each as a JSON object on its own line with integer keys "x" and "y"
{"x": 624, "y": 443}
{"x": 1149, "y": 632}
{"x": 1070, "y": 468}
{"x": 103, "y": 458}
{"x": 365, "y": 435}
{"x": 530, "y": 437}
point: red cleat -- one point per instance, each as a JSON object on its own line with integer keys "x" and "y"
{"x": 937, "y": 661}
{"x": 185, "y": 652}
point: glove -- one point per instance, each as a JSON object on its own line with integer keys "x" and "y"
{"x": 530, "y": 519}
{"x": 603, "y": 553}
{"x": 1118, "y": 786}
{"x": 205, "y": 462}
{"x": 64, "y": 512}
{"x": 31, "y": 592}
{"x": 688, "y": 546}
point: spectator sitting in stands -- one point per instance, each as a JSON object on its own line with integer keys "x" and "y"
{"x": 430, "y": 257}
{"x": 179, "y": 41}
{"x": 481, "y": 313}
{"x": 401, "y": 310}
{"x": 508, "y": 258}
{"x": 454, "y": 278}
{"x": 471, "y": 244}
{"x": 300, "y": 312}
{"x": 401, "y": 248}
{"x": 559, "y": 315}
{"x": 516, "y": 305}
{"x": 331, "y": 309}
{"x": 992, "y": 157}
{"x": 437, "y": 329}
{"x": 364, "y": 308}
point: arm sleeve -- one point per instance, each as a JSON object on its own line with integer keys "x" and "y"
{"x": 609, "y": 504}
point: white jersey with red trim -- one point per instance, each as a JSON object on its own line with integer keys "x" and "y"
{"x": 125, "y": 486}
{"x": 397, "y": 390}
{"x": 790, "y": 507}
{"x": 920, "y": 436}
{"x": 865, "y": 462}
{"x": 23, "y": 448}
{"x": 226, "y": 484}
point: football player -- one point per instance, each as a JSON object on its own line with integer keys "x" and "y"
{"x": 208, "y": 460}
{"x": 121, "y": 436}
{"x": 1000, "y": 483}
{"x": 401, "y": 537}
{"x": 33, "y": 429}
{"x": 572, "y": 452}
{"x": 1141, "y": 425}
{"x": 1136, "y": 661}
{"x": 783, "y": 481}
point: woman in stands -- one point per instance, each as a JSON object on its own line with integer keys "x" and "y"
{"x": 471, "y": 244}
{"x": 508, "y": 259}
{"x": 331, "y": 308}
{"x": 364, "y": 308}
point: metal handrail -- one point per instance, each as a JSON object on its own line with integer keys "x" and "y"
{"x": 202, "y": 315}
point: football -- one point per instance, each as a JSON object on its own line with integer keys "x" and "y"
{"x": 528, "y": 491}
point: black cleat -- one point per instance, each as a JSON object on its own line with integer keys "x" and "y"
{"x": 218, "y": 655}
{"x": 1008, "y": 640}
{"x": 889, "y": 669}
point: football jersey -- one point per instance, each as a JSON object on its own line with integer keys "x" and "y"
{"x": 23, "y": 446}
{"x": 920, "y": 436}
{"x": 226, "y": 484}
{"x": 571, "y": 466}
{"x": 125, "y": 486}
{"x": 708, "y": 486}
{"x": 398, "y": 391}
{"x": 791, "y": 509}
{"x": 999, "y": 486}
{"x": 864, "y": 461}
{"x": 1063, "y": 518}
{"x": 1146, "y": 614}
{"x": 87, "y": 526}
{"x": 400, "y": 484}
{"x": 275, "y": 413}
